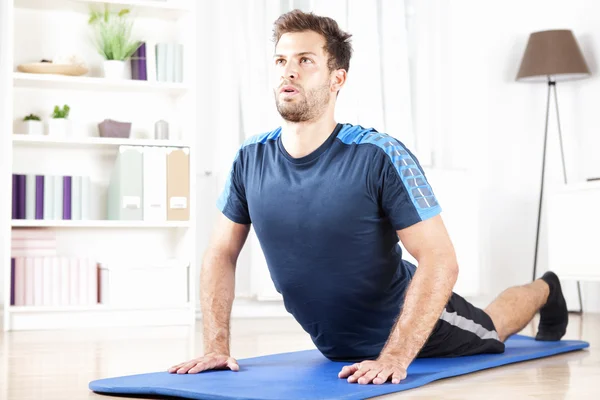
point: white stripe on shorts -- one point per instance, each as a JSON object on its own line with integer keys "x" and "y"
{"x": 466, "y": 324}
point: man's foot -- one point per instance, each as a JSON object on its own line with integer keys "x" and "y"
{"x": 554, "y": 315}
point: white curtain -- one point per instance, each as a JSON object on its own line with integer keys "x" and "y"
{"x": 236, "y": 94}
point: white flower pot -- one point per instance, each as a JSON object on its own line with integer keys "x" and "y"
{"x": 59, "y": 127}
{"x": 33, "y": 127}
{"x": 114, "y": 69}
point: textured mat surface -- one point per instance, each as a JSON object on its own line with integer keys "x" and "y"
{"x": 308, "y": 375}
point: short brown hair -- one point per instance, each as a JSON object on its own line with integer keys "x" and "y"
{"x": 337, "y": 42}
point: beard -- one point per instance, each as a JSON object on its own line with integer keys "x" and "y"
{"x": 311, "y": 105}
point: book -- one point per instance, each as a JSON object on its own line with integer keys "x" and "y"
{"x": 12, "y": 280}
{"x": 139, "y": 70}
{"x": 48, "y": 197}
{"x": 30, "y": 196}
{"x": 39, "y": 197}
{"x": 178, "y": 63}
{"x": 67, "y": 197}
{"x": 58, "y": 197}
{"x": 15, "y": 197}
{"x": 76, "y": 196}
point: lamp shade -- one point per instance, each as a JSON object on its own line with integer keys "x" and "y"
{"x": 553, "y": 55}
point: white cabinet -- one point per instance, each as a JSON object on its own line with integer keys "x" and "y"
{"x": 31, "y": 30}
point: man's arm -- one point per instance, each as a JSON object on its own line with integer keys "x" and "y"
{"x": 218, "y": 283}
{"x": 431, "y": 287}
{"x": 217, "y": 293}
{"x": 427, "y": 294}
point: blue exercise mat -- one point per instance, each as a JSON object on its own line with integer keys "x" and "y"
{"x": 309, "y": 375}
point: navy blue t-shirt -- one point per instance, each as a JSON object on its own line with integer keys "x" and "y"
{"x": 327, "y": 226}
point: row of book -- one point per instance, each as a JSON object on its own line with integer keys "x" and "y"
{"x": 164, "y": 65}
{"x": 50, "y": 197}
{"x": 53, "y": 281}
{"x": 40, "y": 277}
{"x": 146, "y": 184}
{"x": 150, "y": 184}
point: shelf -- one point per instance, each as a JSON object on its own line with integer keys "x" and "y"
{"x": 98, "y": 307}
{"x": 171, "y": 9}
{"x": 36, "y": 223}
{"x": 97, "y": 316}
{"x": 51, "y": 81}
{"x": 90, "y": 142}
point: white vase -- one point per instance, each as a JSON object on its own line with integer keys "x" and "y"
{"x": 114, "y": 69}
{"x": 33, "y": 127}
{"x": 59, "y": 127}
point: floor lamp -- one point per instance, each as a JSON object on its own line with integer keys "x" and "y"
{"x": 552, "y": 56}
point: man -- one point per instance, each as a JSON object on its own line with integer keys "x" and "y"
{"x": 329, "y": 203}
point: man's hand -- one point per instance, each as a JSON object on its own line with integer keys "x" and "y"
{"x": 378, "y": 371}
{"x": 208, "y": 361}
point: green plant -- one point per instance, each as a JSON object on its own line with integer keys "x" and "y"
{"x": 113, "y": 34}
{"x": 32, "y": 117}
{"x": 61, "y": 112}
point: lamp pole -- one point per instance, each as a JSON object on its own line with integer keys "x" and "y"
{"x": 551, "y": 87}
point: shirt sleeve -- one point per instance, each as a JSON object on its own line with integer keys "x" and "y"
{"x": 405, "y": 194}
{"x": 232, "y": 201}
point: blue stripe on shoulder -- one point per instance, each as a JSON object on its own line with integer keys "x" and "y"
{"x": 406, "y": 164}
{"x": 261, "y": 139}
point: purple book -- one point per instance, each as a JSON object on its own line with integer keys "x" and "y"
{"x": 21, "y": 187}
{"x": 12, "y": 281}
{"x": 15, "y": 197}
{"x": 143, "y": 70}
{"x": 138, "y": 64}
{"x": 67, "y": 197}
{"x": 39, "y": 197}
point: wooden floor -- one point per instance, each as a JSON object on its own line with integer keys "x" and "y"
{"x": 59, "y": 364}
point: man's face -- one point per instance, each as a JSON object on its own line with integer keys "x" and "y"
{"x": 302, "y": 78}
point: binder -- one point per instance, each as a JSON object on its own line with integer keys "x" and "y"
{"x": 155, "y": 184}
{"x": 178, "y": 184}
{"x": 125, "y": 190}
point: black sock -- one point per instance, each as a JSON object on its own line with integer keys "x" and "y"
{"x": 554, "y": 315}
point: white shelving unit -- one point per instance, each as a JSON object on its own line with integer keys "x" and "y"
{"x": 90, "y": 142}
{"x": 22, "y": 223}
{"x": 25, "y": 80}
{"x": 31, "y": 30}
{"x": 163, "y": 9}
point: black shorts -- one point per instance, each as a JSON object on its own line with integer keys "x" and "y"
{"x": 462, "y": 330}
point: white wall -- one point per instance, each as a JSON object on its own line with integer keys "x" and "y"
{"x": 493, "y": 125}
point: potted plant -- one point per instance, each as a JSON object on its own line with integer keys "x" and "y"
{"x": 113, "y": 40}
{"x": 60, "y": 125}
{"x": 33, "y": 125}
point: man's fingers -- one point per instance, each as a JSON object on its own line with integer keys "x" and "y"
{"x": 348, "y": 370}
{"x": 232, "y": 364}
{"x": 358, "y": 374}
{"x": 369, "y": 376}
{"x": 199, "y": 367}
{"x": 186, "y": 367}
{"x": 175, "y": 367}
{"x": 382, "y": 377}
{"x": 398, "y": 375}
